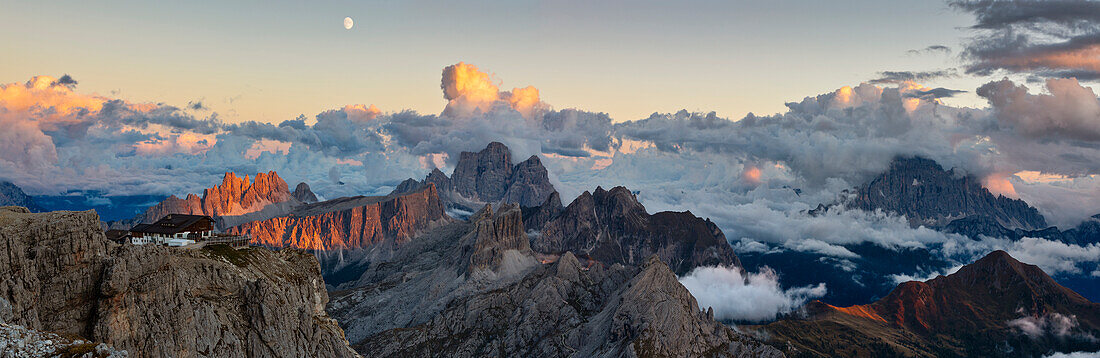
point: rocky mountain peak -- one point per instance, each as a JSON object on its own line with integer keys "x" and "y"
{"x": 488, "y": 176}
{"x": 611, "y": 226}
{"x": 483, "y": 175}
{"x": 984, "y": 307}
{"x": 303, "y": 193}
{"x": 234, "y": 196}
{"x": 534, "y": 218}
{"x": 928, "y": 195}
{"x": 497, "y": 238}
{"x": 10, "y": 194}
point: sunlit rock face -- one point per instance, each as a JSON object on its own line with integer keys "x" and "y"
{"x": 611, "y": 226}
{"x": 61, "y": 274}
{"x": 350, "y": 223}
{"x": 489, "y": 176}
{"x": 996, "y": 306}
{"x": 234, "y": 196}
{"x": 929, "y": 195}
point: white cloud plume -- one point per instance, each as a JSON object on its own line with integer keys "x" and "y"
{"x": 901, "y": 278}
{"x": 1073, "y": 355}
{"x": 1050, "y": 324}
{"x": 753, "y": 297}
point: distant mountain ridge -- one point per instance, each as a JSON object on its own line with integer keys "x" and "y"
{"x": 12, "y": 195}
{"x": 234, "y": 196}
{"x": 475, "y": 288}
{"x": 611, "y": 226}
{"x": 349, "y": 223}
{"x": 1085, "y": 233}
{"x": 930, "y": 196}
{"x": 996, "y": 306}
{"x": 488, "y": 176}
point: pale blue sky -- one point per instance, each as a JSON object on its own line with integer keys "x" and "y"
{"x": 272, "y": 60}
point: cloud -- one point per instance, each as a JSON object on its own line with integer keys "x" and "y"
{"x": 1045, "y": 38}
{"x": 934, "y": 93}
{"x": 1070, "y": 110}
{"x": 752, "y": 297}
{"x": 820, "y": 247}
{"x": 931, "y": 49}
{"x": 469, "y": 91}
{"x": 756, "y": 177}
{"x": 1054, "y": 323}
{"x": 902, "y": 278}
{"x": 1051, "y": 324}
{"x": 1054, "y": 257}
{"x": 912, "y": 76}
{"x": 65, "y": 80}
{"x": 1081, "y": 354}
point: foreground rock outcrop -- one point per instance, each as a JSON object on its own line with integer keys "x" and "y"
{"x": 996, "y": 306}
{"x": 21, "y": 342}
{"x": 476, "y": 289}
{"x": 488, "y": 176}
{"x": 611, "y": 226}
{"x": 58, "y": 273}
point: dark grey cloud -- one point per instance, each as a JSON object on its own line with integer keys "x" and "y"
{"x": 931, "y": 49}
{"x": 1053, "y": 38}
{"x": 938, "y": 92}
{"x": 913, "y": 76}
{"x": 65, "y": 80}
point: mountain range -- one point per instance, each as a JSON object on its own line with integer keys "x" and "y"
{"x": 996, "y": 306}
{"x": 489, "y": 262}
{"x": 476, "y": 288}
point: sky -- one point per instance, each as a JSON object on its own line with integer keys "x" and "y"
{"x": 273, "y": 60}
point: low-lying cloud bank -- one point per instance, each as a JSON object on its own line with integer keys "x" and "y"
{"x": 752, "y": 297}
{"x": 756, "y": 177}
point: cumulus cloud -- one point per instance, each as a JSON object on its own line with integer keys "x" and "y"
{"x": 1068, "y": 111}
{"x": 1054, "y": 257}
{"x": 751, "y": 297}
{"x": 469, "y": 91}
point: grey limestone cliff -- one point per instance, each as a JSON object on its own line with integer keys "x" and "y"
{"x": 611, "y": 226}
{"x": 474, "y": 288}
{"x": 928, "y": 195}
{"x": 488, "y": 176}
{"x": 58, "y": 273}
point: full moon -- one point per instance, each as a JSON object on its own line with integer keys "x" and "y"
{"x": 348, "y": 23}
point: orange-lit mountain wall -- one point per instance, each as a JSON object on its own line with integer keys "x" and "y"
{"x": 398, "y": 219}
